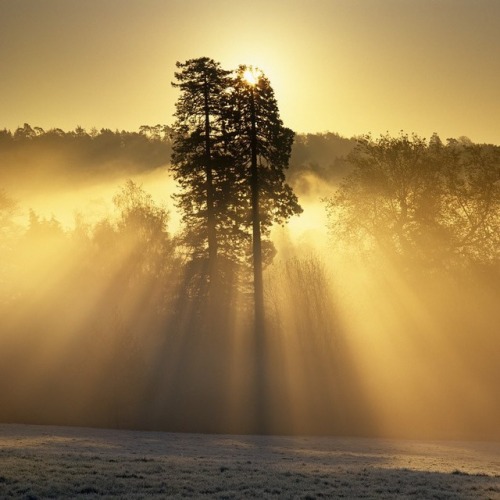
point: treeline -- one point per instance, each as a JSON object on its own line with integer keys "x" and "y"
{"x": 93, "y": 154}
{"x": 80, "y": 155}
{"x": 322, "y": 155}
{"x": 424, "y": 205}
{"x": 392, "y": 331}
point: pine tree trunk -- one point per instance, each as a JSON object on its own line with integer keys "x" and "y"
{"x": 261, "y": 390}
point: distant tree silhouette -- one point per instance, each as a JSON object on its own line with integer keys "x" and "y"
{"x": 136, "y": 242}
{"x": 79, "y": 155}
{"x": 143, "y": 229}
{"x": 321, "y": 154}
{"x": 421, "y": 203}
{"x": 43, "y": 228}
{"x": 24, "y": 132}
{"x": 157, "y": 132}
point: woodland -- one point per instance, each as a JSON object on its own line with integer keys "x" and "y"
{"x": 120, "y": 321}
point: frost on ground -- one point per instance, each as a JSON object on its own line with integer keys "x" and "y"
{"x": 59, "y": 462}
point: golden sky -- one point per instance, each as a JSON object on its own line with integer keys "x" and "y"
{"x": 346, "y": 66}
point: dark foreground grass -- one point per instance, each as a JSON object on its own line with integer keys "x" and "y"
{"x": 57, "y": 462}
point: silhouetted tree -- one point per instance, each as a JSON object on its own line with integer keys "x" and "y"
{"x": 41, "y": 227}
{"x": 24, "y": 132}
{"x": 231, "y": 151}
{"x": 420, "y": 202}
{"x": 198, "y": 156}
{"x": 261, "y": 147}
{"x": 471, "y": 202}
{"x": 134, "y": 247}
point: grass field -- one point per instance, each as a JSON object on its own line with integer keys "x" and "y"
{"x": 65, "y": 462}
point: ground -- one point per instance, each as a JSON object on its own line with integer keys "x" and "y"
{"x": 64, "y": 462}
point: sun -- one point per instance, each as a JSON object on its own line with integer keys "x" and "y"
{"x": 252, "y": 75}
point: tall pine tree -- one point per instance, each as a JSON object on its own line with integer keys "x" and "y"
{"x": 230, "y": 154}
{"x": 261, "y": 147}
{"x": 198, "y": 158}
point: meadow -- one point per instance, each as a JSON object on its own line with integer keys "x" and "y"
{"x": 71, "y": 462}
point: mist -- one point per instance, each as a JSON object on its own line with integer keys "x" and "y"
{"x": 101, "y": 326}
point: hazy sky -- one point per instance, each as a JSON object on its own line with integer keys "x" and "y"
{"x": 347, "y": 66}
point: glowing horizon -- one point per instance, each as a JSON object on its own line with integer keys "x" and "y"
{"x": 345, "y": 67}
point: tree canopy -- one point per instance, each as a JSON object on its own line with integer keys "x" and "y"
{"x": 211, "y": 160}
{"x": 420, "y": 202}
